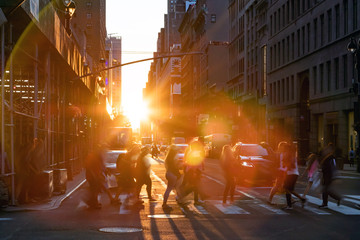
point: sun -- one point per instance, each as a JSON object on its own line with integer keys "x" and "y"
{"x": 136, "y": 112}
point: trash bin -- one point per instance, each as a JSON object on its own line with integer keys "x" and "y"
{"x": 60, "y": 180}
{"x": 45, "y": 184}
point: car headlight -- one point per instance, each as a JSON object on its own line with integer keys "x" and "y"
{"x": 247, "y": 164}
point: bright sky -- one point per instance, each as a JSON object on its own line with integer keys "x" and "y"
{"x": 138, "y": 23}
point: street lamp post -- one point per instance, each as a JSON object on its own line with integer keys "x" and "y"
{"x": 354, "y": 48}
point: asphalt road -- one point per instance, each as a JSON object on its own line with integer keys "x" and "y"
{"x": 250, "y": 217}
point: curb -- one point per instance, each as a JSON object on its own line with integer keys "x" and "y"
{"x": 52, "y": 204}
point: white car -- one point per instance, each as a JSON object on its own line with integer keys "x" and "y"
{"x": 110, "y": 158}
{"x": 181, "y": 151}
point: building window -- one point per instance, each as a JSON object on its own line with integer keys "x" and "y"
{"x": 287, "y": 89}
{"x": 275, "y": 22}
{"x": 322, "y": 23}
{"x": 292, "y": 88}
{"x": 315, "y": 79}
{"x": 298, "y": 42}
{"x": 346, "y": 13}
{"x": 336, "y": 73}
{"x": 355, "y": 11}
{"x": 88, "y": 4}
{"x": 337, "y": 21}
{"x": 213, "y": 18}
{"x": 345, "y": 69}
{"x": 88, "y": 15}
{"x": 315, "y": 33}
{"x": 303, "y": 40}
{"x": 329, "y": 15}
{"x": 328, "y": 68}
{"x": 308, "y": 37}
{"x": 283, "y": 90}
{"x": 278, "y": 92}
{"x": 321, "y": 78}
{"x": 292, "y": 46}
{"x": 287, "y": 48}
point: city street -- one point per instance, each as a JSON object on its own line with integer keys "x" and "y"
{"x": 250, "y": 217}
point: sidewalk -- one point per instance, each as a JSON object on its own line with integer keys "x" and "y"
{"x": 55, "y": 201}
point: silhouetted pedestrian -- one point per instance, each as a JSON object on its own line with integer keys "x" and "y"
{"x": 193, "y": 166}
{"x": 95, "y": 176}
{"x": 329, "y": 173}
{"x": 228, "y": 165}
{"x": 143, "y": 167}
{"x": 173, "y": 175}
{"x": 280, "y": 173}
{"x": 292, "y": 174}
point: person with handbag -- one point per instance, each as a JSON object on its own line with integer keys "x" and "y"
{"x": 329, "y": 173}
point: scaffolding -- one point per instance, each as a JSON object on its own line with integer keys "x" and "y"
{"x": 42, "y": 97}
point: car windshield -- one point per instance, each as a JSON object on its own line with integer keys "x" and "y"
{"x": 182, "y": 148}
{"x": 111, "y": 156}
{"x": 252, "y": 150}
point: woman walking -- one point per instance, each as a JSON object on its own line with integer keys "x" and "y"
{"x": 228, "y": 165}
{"x": 292, "y": 174}
{"x": 173, "y": 175}
{"x": 281, "y": 172}
{"x": 312, "y": 171}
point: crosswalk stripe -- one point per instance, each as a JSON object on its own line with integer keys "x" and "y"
{"x": 352, "y": 200}
{"x": 197, "y": 209}
{"x": 274, "y": 210}
{"x": 341, "y": 209}
{"x": 316, "y": 210}
{"x": 228, "y": 209}
{"x": 353, "y": 196}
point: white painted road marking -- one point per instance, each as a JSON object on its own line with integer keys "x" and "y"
{"x": 353, "y": 196}
{"x": 271, "y": 209}
{"x": 228, "y": 209}
{"x": 341, "y": 209}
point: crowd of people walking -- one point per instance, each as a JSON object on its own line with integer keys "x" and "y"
{"x": 184, "y": 177}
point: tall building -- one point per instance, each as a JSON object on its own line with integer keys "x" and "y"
{"x": 310, "y": 72}
{"x": 89, "y": 18}
{"x": 247, "y": 72}
{"x": 113, "y": 78}
{"x": 204, "y": 29}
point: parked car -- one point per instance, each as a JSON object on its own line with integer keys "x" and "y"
{"x": 255, "y": 164}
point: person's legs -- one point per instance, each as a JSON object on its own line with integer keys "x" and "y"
{"x": 232, "y": 189}
{"x": 148, "y": 183}
{"x": 226, "y": 190}
{"x": 325, "y": 195}
{"x": 308, "y": 186}
{"x": 172, "y": 180}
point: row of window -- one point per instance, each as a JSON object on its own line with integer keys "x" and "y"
{"x": 313, "y": 35}
{"x": 331, "y": 75}
{"x": 282, "y": 90}
{"x": 328, "y": 76}
{"x": 288, "y": 12}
